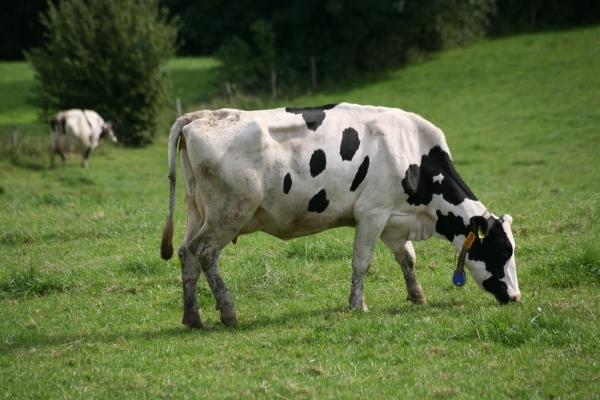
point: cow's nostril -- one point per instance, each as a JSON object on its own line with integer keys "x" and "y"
{"x": 516, "y": 298}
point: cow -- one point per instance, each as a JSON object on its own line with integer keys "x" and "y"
{"x": 84, "y": 127}
{"x": 292, "y": 172}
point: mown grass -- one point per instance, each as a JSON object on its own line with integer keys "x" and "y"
{"x": 88, "y": 310}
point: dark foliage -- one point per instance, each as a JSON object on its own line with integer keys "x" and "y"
{"x": 255, "y": 38}
{"x": 20, "y": 28}
{"x": 533, "y": 15}
{"x": 107, "y": 56}
{"x": 347, "y": 36}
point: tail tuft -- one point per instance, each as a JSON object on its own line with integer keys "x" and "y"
{"x": 166, "y": 246}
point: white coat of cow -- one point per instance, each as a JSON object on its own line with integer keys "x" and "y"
{"x": 297, "y": 171}
{"x": 84, "y": 128}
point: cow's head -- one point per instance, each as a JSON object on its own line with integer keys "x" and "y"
{"x": 107, "y": 131}
{"x": 491, "y": 258}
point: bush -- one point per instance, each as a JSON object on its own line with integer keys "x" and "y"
{"x": 533, "y": 15}
{"x": 108, "y": 56}
{"x": 249, "y": 65}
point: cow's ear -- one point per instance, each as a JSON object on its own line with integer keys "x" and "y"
{"x": 507, "y": 218}
{"x": 480, "y": 226}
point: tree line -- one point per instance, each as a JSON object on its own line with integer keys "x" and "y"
{"x": 109, "y": 54}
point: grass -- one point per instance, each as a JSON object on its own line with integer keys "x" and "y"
{"x": 88, "y": 309}
{"x": 192, "y": 79}
{"x": 16, "y": 80}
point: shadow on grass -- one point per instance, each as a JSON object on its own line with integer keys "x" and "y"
{"x": 328, "y": 315}
{"x": 37, "y": 340}
{"x": 69, "y": 340}
{"x": 438, "y": 305}
{"x": 27, "y": 163}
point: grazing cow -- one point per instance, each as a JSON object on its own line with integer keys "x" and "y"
{"x": 297, "y": 171}
{"x": 85, "y": 127}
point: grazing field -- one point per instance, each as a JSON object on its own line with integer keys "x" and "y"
{"x": 88, "y": 309}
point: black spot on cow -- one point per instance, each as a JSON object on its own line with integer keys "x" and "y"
{"x": 420, "y": 186}
{"x": 287, "y": 183}
{"x": 317, "y": 162}
{"x": 350, "y": 144}
{"x": 319, "y": 202}
{"x": 360, "y": 174}
{"x": 313, "y": 116}
{"x": 450, "y": 225}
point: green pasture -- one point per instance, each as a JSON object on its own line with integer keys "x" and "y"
{"x": 89, "y": 310}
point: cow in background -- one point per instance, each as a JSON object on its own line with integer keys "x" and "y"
{"x": 84, "y": 127}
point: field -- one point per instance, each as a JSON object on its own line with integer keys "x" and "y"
{"x": 89, "y": 310}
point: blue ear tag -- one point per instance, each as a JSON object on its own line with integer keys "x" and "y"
{"x": 459, "y": 278}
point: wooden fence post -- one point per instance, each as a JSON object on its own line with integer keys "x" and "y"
{"x": 178, "y": 106}
{"x": 273, "y": 82}
{"x": 228, "y": 91}
{"x": 313, "y": 72}
{"x": 14, "y": 138}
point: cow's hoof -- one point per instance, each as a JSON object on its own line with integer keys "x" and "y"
{"x": 192, "y": 321}
{"x": 228, "y": 316}
{"x": 358, "y": 303}
{"x": 359, "y": 307}
{"x": 417, "y": 298}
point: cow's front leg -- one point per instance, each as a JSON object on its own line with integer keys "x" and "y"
{"x": 190, "y": 271}
{"x": 405, "y": 255}
{"x": 209, "y": 257}
{"x": 366, "y": 236}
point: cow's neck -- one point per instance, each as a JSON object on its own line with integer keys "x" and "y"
{"x": 453, "y": 221}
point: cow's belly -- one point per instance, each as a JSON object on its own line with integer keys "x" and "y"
{"x": 291, "y": 223}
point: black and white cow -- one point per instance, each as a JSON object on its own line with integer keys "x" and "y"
{"x": 84, "y": 128}
{"x": 297, "y": 171}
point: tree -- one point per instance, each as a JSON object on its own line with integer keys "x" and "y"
{"x": 342, "y": 37}
{"x": 106, "y": 55}
{"x": 20, "y": 28}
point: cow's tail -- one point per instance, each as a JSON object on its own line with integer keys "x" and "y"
{"x": 55, "y": 124}
{"x": 166, "y": 246}
{"x": 57, "y": 128}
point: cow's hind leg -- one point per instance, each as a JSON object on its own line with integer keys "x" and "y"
{"x": 86, "y": 156}
{"x": 191, "y": 264}
{"x": 404, "y": 253}
{"x": 202, "y": 254}
{"x": 190, "y": 271}
{"x": 209, "y": 257}
{"x": 367, "y": 233}
{"x": 56, "y": 148}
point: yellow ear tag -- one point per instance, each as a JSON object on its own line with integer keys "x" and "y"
{"x": 469, "y": 241}
{"x": 480, "y": 233}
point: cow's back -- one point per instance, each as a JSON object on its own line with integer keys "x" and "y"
{"x": 306, "y": 169}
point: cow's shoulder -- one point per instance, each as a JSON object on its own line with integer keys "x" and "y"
{"x": 410, "y": 131}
